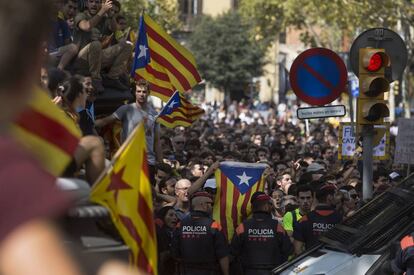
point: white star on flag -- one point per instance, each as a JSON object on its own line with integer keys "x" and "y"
{"x": 244, "y": 179}
{"x": 142, "y": 51}
{"x": 171, "y": 105}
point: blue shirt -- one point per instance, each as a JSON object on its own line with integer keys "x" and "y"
{"x": 60, "y": 33}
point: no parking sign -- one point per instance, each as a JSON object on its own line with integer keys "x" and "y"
{"x": 318, "y": 76}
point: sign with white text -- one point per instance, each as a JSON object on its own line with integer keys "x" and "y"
{"x": 346, "y": 146}
{"x": 404, "y": 149}
{"x": 321, "y": 112}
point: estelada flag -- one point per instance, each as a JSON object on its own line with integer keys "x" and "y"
{"x": 236, "y": 182}
{"x": 47, "y": 132}
{"x": 179, "y": 112}
{"x": 125, "y": 190}
{"x": 162, "y": 61}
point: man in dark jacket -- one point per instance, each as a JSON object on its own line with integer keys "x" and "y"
{"x": 260, "y": 243}
{"x": 199, "y": 243}
{"x": 315, "y": 223}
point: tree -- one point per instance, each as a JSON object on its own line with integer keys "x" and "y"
{"x": 327, "y": 23}
{"x": 226, "y": 55}
{"x": 164, "y": 12}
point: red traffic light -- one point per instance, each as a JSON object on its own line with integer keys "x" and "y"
{"x": 375, "y": 62}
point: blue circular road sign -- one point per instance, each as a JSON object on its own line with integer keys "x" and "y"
{"x": 318, "y": 76}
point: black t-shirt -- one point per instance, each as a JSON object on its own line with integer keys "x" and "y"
{"x": 86, "y": 123}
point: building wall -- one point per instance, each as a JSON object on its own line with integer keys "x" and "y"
{"x": 216, "y": 7}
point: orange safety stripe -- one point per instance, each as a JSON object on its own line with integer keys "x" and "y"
{"x": 407, "y": 242}
{"x": 216, "y": 225}
{"x": 324, "y": 212}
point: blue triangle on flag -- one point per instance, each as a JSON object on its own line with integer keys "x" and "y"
{"x": 243, "y": 178}
{"x": 173, "y": 103}
{"x": 142, "y": 52}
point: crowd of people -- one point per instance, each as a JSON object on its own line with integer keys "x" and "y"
{"x": 307, "y": 189}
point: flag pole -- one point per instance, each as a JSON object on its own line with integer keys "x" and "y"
{"x": 109, "y": 168}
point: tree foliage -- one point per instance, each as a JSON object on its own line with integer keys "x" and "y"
{"x": 327, "y": 23}
{"x": 226, "y": 55}
{"x": 164, "y": 12}
{"x": 324, "y": 23}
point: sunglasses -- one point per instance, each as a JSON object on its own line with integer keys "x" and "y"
{"x": 354, "y": 196}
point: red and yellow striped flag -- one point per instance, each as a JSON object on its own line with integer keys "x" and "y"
{"x": 236, "y": 182}
{"x": 47, "y": 132}
{"x": 162, "y": 61}
{"x": 126, "y": 191}
{"x": 179, "y": 112}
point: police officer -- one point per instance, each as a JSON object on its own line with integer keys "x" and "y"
{"x": 318, "y": 221}
{"x": 404, "y": 258}
{"x": 199, "y": 243}
{"x": 260, "y": 243}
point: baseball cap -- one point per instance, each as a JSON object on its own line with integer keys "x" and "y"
{"x": 315, "y": 167}
{"x": 259, "y": 196}
{"x": 202, "y": 194}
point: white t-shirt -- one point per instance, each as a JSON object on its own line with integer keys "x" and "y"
{"x": 130, "y": 116}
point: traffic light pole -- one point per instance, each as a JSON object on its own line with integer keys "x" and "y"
{"x": 367, "y": 134}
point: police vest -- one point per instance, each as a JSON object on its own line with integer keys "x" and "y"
{"x": 322, "y": 220}
{"x": 262, "y": 241}
{"x": 197, "y": 238}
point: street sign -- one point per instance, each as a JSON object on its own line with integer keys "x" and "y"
{"x": 321, "y": 112}
{"x": 353, "y": 85}
{"x": 404, "y": 149}
{"x": 381, "y": 38}
{"x": 318, "y": 76}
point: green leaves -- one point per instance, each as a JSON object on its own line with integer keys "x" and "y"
{"x": 325, "y": 23}
{"x": 225, "y": 52}
{"x": 164, "y": 12}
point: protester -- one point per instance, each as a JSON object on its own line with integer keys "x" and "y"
{"x": 316, "y": 222}
{"x": 284, "y": 181}
{"x": 182, "y": 205}
{"x": 93, "y": 30}
{"x": 165, "y": 224}
{"x": 277, "y": 199}
{"x": 131, "y": 115}
{"x": 29, "y": 243}
{"x": 305, "y": 200}
{"x": 90, "y": 151}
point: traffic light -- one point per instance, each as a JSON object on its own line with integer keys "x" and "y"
{"x": 373, "y": 83}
